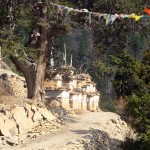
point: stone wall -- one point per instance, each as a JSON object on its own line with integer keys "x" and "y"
{"x": 20, "y": 123}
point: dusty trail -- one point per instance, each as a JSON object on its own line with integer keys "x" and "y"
{"x": 75, "y": 128}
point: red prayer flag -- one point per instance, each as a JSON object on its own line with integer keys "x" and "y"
{"x": 147, "y": 11}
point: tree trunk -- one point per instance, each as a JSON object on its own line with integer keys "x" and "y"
{"x": 38, "y": 92}
{"x": 29, "y": 74}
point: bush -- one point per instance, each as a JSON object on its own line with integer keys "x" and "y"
{"x": 130, "y": 144}
{"x": 139, "y": 109}
{"x": 107, "y": 105}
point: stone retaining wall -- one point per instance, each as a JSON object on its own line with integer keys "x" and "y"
{"x": 20, "y": 123}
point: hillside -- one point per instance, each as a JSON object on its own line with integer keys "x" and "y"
{"x": 89, "y": 131}
{"x": 109, "y": 40}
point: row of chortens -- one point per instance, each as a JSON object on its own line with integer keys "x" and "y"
{"x": 69, "y": 90}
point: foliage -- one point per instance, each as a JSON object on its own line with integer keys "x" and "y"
{"x": 77, "y": 45}
{"x": 127, "y": 78}
{"x": 131, "y": 144}
{"x": 82, "y": 51}
{"x": 113, "y": 45}
{"x": 103, "y": 70}
{"x": 145, "y": 69}
{"x": 18, "y": 35}
{"x": 107, "y": 94}
{"x": 26, "y": 32}
{"x": 106, "y": 104}
{"x": 138, "y": 109}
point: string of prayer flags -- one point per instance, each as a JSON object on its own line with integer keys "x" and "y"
{"x": 145, "y": 16}
{"x": 134, "y": 16}
{"x": 113, "y": 18}
{"x": 108, "y": 17}
{"x": 146, "y": 10}
{"x": 90, "y": 18}
{"x": 99, "y": 15}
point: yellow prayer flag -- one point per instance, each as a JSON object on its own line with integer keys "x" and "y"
{"x": 132, "y": 15}
{"x": 137, "y": 18}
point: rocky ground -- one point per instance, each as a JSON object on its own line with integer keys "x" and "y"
{"x": 25, "y": 126}
{"x": 88, "y": 131}
{"x": 21, "y": 123}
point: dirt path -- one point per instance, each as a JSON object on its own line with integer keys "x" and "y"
{"x": 76, "y": 127}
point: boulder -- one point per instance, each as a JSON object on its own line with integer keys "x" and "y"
{"x": 7, "y": 126}
{"x": 28, "y": 110}
{"x": 14, "y": 131}
{"x": 30, "y": 124}
{"x": 3, "y": 117}
{"x": 26, "y": 121}
{"x": 4, "y": 76}
{"x": 21, "y": 128}
{"x": 13, "y": 140}
{"x": 37, "y": 116}
{"x": 20, "y": 116}
{"x": 46, "y": 114}
{"x": 21, "y": 121}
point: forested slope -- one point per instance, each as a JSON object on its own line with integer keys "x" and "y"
{"x": 119, "y": 54}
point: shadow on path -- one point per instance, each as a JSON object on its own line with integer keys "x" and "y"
{"x": 95, "y": 139}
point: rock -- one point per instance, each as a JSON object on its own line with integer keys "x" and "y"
{"x": 4, "y": 76}
{"x": 30, "y": 124}
{"x": 19, "y": 114}
{"x": 3, "y": 117}
{"x": 55, "y": 103}
{"x": 20, "y": 121}
{"x": 114, "y": 121}
{"x": 24, "y": 123}
{"x": 37, "y": 116}
{"x": 46, "y": 114}
{"x": 5, "y": 129}
{"x": 124, "y": 124}
{"x": 22, "y": 138}
{"x": 13, "y": 140}
{"x": 13, "y": 131}
{"x": 1, "y": 143}
{"x": 4, "y": 66}
{"x": 118, "y": 126}
{"x": 7, "y": 113}
{"x": 29, "y": 111}
{"x": 33, "y": 108}
{"x": 21, "y": 128}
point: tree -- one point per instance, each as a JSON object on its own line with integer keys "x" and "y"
{"x": 132, "y": 83}
{"x": 29, "y": 27}
{"x": 36, "y": 24}
{"x": 138, "y": 108}
{"x": 112, "y": 40}
{"x": 127, "y": 78}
